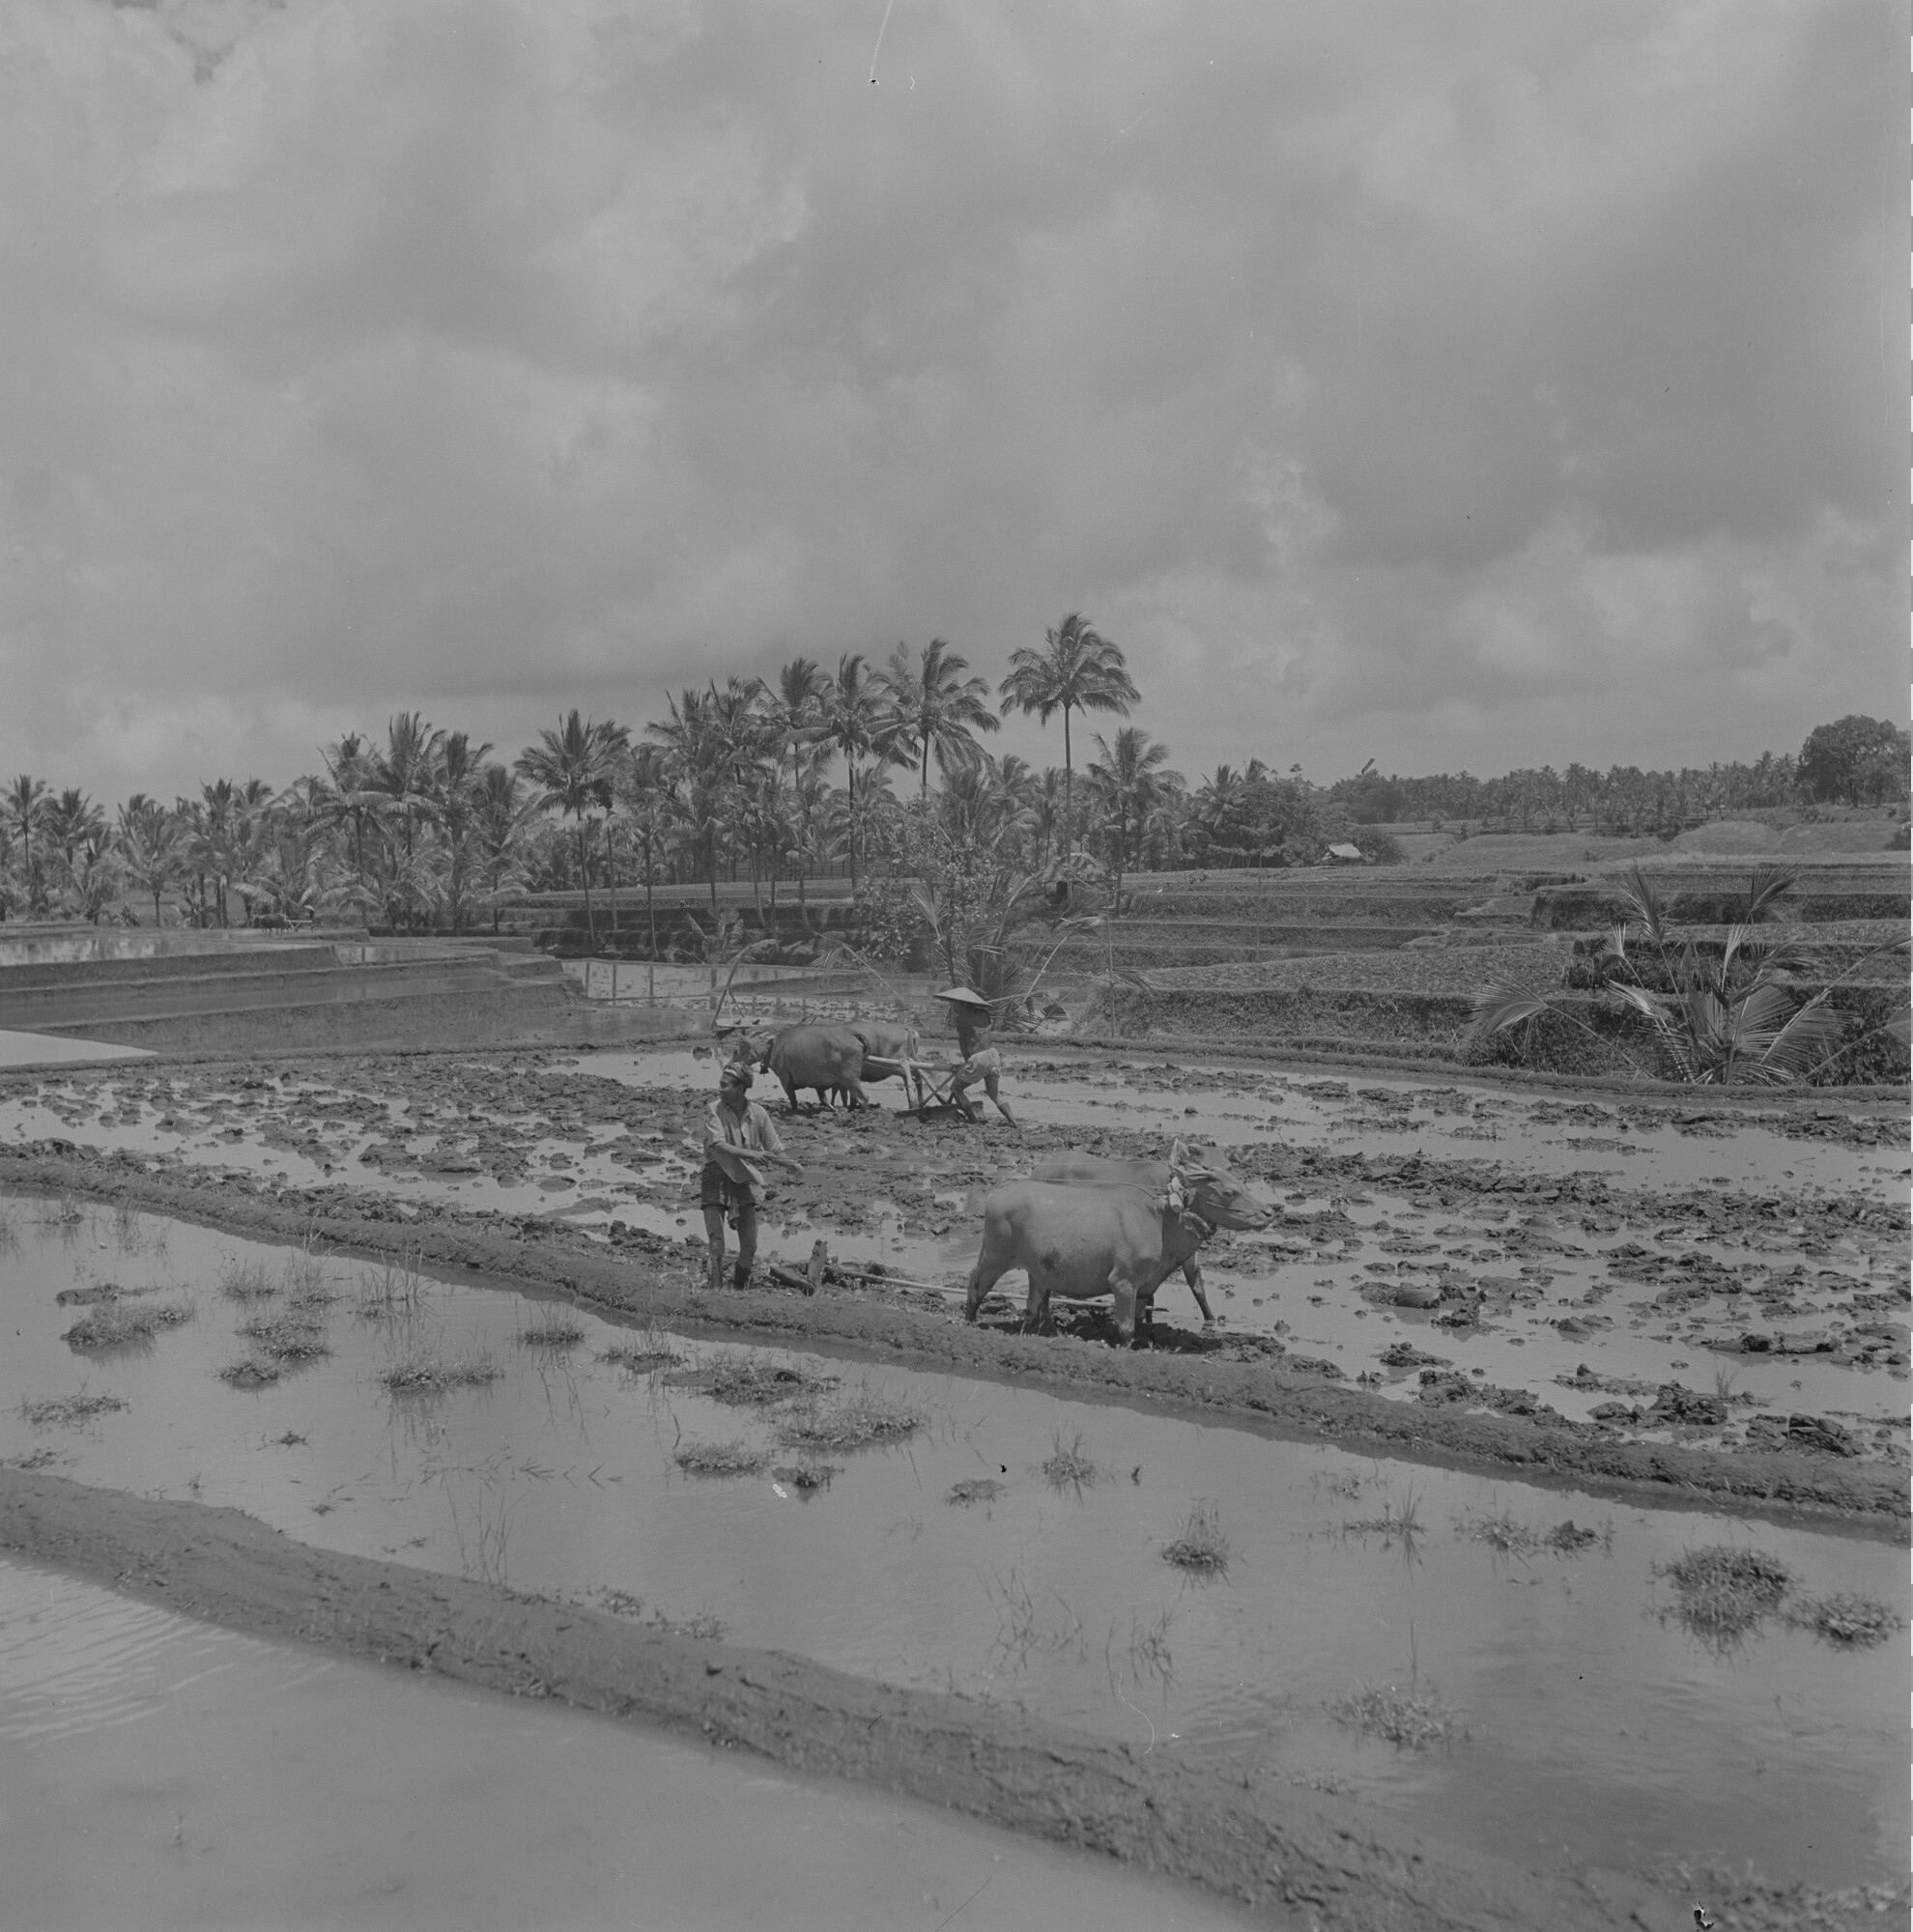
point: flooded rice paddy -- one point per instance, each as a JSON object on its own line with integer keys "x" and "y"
{"x": 154, "y": 1770}
{"x": 1520, "y": 1645}
{"x": 1580, "y": 1255}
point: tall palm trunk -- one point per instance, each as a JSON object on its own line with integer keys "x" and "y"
{"x": 611, "y": 872}
{"x": 1069, "y": 810}
{"x": 585, "y": 868}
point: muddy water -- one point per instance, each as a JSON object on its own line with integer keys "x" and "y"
{"x": 1581, "y": 1718}
{"x": 157, "y": 1771}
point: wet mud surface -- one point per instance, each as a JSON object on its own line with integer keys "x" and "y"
{"x": 1659, "y": 1288}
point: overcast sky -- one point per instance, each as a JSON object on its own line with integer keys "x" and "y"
{"x": 1453, "y": 385}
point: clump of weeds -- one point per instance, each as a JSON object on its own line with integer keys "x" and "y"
{"x": 305, "y": 1279}
{"x": 643, "y": 1355}
{"x": 290, "y": 1439}
{"x": 285, "y": 1338}
{"x": 246, "y": 1280}
{"x": 975, "y": 1489}
{"x": 251, "y": 1372}
{"x": 112, "y": 1325}
{"x": 861, "y": 1420}
{"x": 62, "y": 1214}
{"x": 425, "y": 1372}
{"x": 1201, "y": 1544}
{"x": 719, "y": 1459}
{"x": 555, "y": 1332}
{"x": 747, "y": 1381}
{"x": 69, "y": 1412}
{"x": 619, "y": 1602}
{"x": 1411, "y": 1718}
{"x": 1504, "y": 1532}
{"x": 1846, "y": 1619}
{"x": 1400, "y": 1521}
{"x": 389, "y": 1292}
{"x": 1725, "y": 1591}
{"x": 1070, "y": 1466}
{"x": 807, "y": 1477}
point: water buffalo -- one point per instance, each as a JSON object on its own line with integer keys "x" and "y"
{"x": 1092, "y": 1170}
{"x": 890, "y": 1047}
{"x": 823, "y": 1057}
{"x": 1083, "y": 1242}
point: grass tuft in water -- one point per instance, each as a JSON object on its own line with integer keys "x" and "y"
{"x": 1201, "y": 1544}
{"x": 65, "y": 1212}
{"x": 975, "y": 1489}
{"x": 1411, "y": 1720}
{"x": 251, "y": 1372}
{"x": 112, "y": 1325}
{"x": 719, "y": 1459}
{"x": 10, "y": 1230}
{"x": 1726, "y": 1590}
{"x": 747, "y": 1381}
{"x": 1070, "y": 1466}
{"x": 1504, "y": 1532}
{"x": 865, "y": 1418}
{"x": 638, "y": 1358}
{"x": 285, "y": 1338}
{"x": 1846, "y": 1619}
{"x": 425, "y": 1373}
{"x": 808, "y": 1477}
{"x": 69, "y": 1412}
{"x": 552, "y": 1332}
{"x": 389, "y": 1292}
{"x": 247, "y": 1280}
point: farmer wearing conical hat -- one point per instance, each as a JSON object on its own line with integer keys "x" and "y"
{"x": 981, "y": 1063}
{"x": 739, "y": 1134}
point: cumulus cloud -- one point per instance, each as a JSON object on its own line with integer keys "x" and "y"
{"x": 1461, "y": 384}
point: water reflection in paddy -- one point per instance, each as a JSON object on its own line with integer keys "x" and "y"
{"x": 1591, "y": 1722}
{"x": 156, "y": 1772}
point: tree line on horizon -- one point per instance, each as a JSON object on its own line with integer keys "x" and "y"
{"x": 819, "y": 774}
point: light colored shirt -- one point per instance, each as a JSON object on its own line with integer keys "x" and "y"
{"x": 755, "y": 1132}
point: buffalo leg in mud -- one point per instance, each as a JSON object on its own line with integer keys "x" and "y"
{"x": 1192, "y": 1274}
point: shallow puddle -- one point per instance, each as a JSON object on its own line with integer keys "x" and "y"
{"x": 1576, "y": 1711}
{"x": 157, "y": 1771}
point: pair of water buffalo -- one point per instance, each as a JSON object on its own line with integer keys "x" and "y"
{"x": 1083, "y": 1227}
{"x": 831, "y": 1059}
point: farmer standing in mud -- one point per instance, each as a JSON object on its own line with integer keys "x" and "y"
{"x": 737, "y": 1134}
{"x": 981, "y": 1063}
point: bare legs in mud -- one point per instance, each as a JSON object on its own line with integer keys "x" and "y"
{"x": 747, "y": 1246}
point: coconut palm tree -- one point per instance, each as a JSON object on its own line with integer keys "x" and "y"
{"x": 501, "y": 810}
{"x": 571, "y": 768}
{"x": 932, "y": 706}
{"x": 25, "y": 802}
{"x": 853, "y": 725}
{"x": 643, "y": 785}
{"x": 1076, "y": 670}
{"x": 1129, "y": 784}
{"x": 150, "y": 842}
{"x": 452, "y": 803}
{"x": 403, "y": 776}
